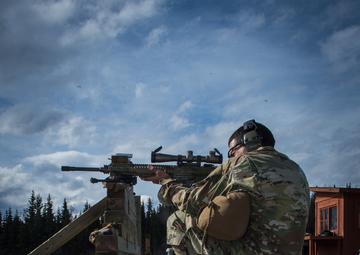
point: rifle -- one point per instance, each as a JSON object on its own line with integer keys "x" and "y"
{"x": 120, "y": 209}
{"x": 188, "y": 168}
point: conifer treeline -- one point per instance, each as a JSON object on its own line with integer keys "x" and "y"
{"x": 154, "y": 227}
{"x": 21, "y": 233}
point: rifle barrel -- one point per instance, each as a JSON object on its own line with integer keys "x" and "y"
{"x": 83, "y": 169}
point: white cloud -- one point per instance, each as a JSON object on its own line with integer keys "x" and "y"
{"x": 155, "y": 36}
{"x": 66, "y": 158}
{"x": 134, "y": 11}
{"x": 335, "y": 167}
{"x": 17, "y": 182}
{"x": 42, "y": 174}
{"x": 141, "y": 151}
{"x": 246, "y": 107}
{"x": 145, "y": 199}
{"x": 301, "y": 156}
{"x": 12, "y": 178}
{"x": 214, "y": 63}
{"x": 185, "y": 106}
{"x": 183, "y": 144}
{"x": 72, "y": 132}
{"x": 219, "y": 134}
{"x": 342, "y": 49}
{"x": 26, "y": 119}
{"x": 55, "y": 11}
{"x": 5, "y": 177}
{"x": 109, "y": 22}
{"x": 177, "y": 121}
{"x": 131, "y": 147}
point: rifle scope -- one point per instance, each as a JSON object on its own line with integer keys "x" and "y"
{"x": 214, "y": 157}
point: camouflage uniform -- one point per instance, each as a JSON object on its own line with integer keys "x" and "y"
{"x": 279, "y": 195}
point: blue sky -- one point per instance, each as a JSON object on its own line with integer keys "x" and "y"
{"x": 81, "y": 80}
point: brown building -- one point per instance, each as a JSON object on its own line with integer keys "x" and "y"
{"x": 337, "y": 222}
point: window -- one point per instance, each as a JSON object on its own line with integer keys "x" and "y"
{"x": 324, "y": 220}
{"x": 328, "y": 218}
{"x": 333, "y": 218}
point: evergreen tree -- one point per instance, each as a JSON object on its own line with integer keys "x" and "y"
{"x": 58, "y": 219}
{"x": 155, "y": 231}
{"x": 1, "y": 230}
{"x": 20, "y": 237}
{"x": 159, "y": 228}
{"x": 8, "y": 236}
{"x": 147, "y": 222}
{"x": 154, "y": 227}
{"x": 65, "y": 214}
{"x": 33, "y": 231}
{"x": 38, "y": 228}
{"x": 80, "y": 244}
{"x": 49, "y": 217}
{"x": 83, "y": 237}
{"x": 149, "y": 208}
{"x": 29, "y": 212}
{"x": 86, "y": 206}
{"x": 29, "y": 220}
{"x": 17, "y": 237}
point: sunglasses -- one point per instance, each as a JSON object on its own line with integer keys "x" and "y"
{"x": 232, "y": 149}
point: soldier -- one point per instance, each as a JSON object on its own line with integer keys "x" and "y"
{"x": 255, "y": 203}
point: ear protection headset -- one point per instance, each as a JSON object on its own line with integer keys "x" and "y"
{"x": 251, "y": 138}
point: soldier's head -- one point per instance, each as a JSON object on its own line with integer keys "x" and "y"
{"x": 250, "y": 136}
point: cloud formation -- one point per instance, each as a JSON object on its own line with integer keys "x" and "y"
{"x": 342, "y": 49}
{"x": 23, "y": 119}
{"x": 72, "y": 132}
{"x": 12, "y": 181}
{"x": 177, "y": 120}
{"x": 110, "y": 20}
{"x": 155, "y": 36}
{"x": 42, "y": 174}
{"x": 81, "y": 80}
{"x": 54, "y": 12}
{"x": 65, "y": 158}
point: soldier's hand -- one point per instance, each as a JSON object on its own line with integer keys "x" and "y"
{"x": 157, "y": 177}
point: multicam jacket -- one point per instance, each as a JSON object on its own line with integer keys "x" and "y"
{"x": 279, "y": 195}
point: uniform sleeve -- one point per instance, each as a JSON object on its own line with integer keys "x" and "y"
{"x": 190, "y": 199}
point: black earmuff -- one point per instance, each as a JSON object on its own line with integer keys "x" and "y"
{"x": 251, "y": 138}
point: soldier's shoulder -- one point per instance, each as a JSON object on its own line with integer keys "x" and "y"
{"x": 238, "y": 160}
{"x": 267, "y": 154}
{"x": 263, "y": 156}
